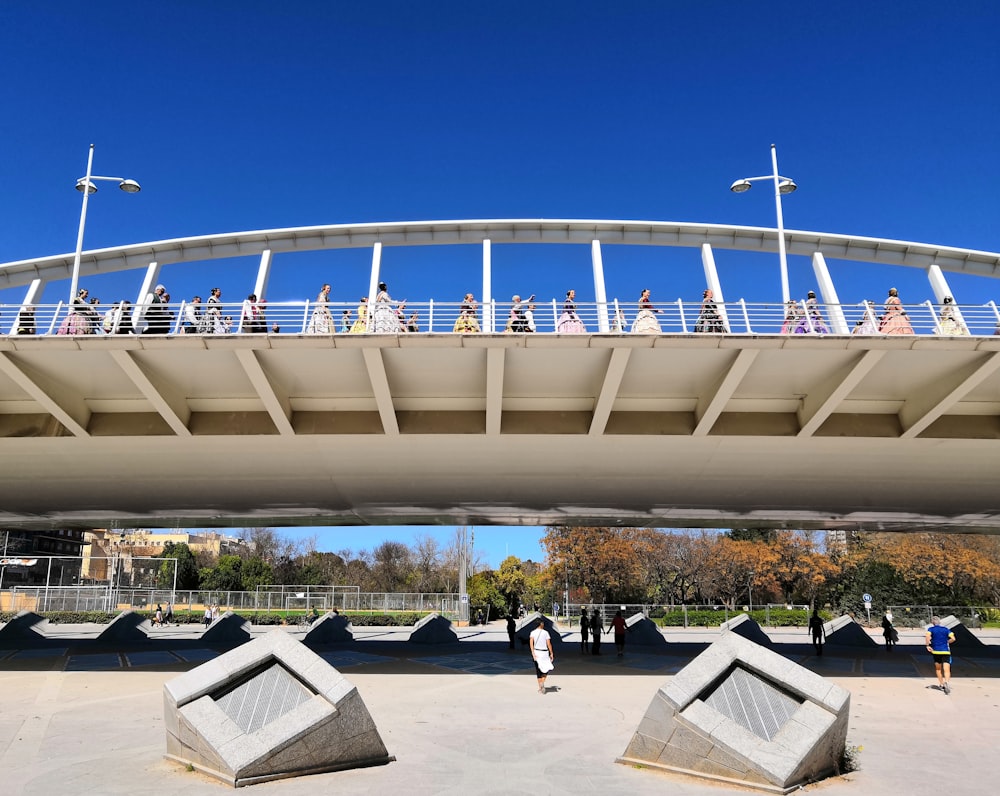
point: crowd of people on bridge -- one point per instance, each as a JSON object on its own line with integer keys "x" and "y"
{"x": 387, "y": 316}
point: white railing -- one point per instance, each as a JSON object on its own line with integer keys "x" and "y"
{"x": 678, "y": 317}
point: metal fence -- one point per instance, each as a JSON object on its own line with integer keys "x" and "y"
{"x": 277, "y": 599}
{"x": 674, "y": 317}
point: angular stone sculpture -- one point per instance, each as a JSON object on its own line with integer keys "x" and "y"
{"x": 743, "y": 714}
{"x": 845, "y": 632}
{"x": 330, "y": 629}
{"x": 24, "y": 629}
{"x": 746, "y": 626}
{"x": 126, "y": 628}
{"x": 531, "y": 621}
{"x": 433, "y": 629}
{"x": 269, "y": 709}
{"x": 230, "y": 628}
{"x": 964, "y": 638}
{"x": 644, "y": 631}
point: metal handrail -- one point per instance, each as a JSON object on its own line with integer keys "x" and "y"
{"x": 679, "y": 317}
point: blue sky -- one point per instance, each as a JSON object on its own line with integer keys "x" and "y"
{"x": 254, "y": 115}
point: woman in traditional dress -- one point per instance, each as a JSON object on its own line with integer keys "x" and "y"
{"x": 213, "y": 312}
{"x": 322, "y": 320}
{"x": 569, "y": 321}
{"x": 360, "y": 325}
{"x": 384, "y": 318}
{"x": 894, "y": 320}
{"x": 793, "y": 314}
{"x": 812, "y": 321}
{"x": 709, "y": 319}
{"x": 645, "y": 320}
{"x": 949, "y": 324}
{"x": 868, "y": 324}
{"x": 78, "y": 320}
{"x": 467, "y": 321}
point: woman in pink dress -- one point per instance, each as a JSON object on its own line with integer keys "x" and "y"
{"x": 645, "y": 320}
{"x": 894, "y": 320}
{"x": 569, "y": 321}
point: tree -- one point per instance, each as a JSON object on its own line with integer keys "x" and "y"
{"x": 392, "y": 567}
{"x": 511, "y": 582}
{"x": 187, "y": 568}
{"x": 226, "y": 575}
{"x": 256, "y": 572}
{"x": 603, "y": 560}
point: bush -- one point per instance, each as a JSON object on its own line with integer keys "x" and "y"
{"x": 775, "y": 617}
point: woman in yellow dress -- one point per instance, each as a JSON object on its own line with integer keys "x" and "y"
{"x": 360, "y": 326}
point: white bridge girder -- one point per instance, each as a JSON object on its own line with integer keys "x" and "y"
{"x": 800, "y": 431}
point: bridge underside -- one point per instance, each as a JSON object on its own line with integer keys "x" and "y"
{"x": 666, "y": 431}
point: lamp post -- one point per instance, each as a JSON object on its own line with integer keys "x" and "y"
{"x": 750, "y": 577}
{"x": 782, "y": 185}
{"x": 86, "y": 186}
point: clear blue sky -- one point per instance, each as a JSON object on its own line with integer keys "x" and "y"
{"x": 253, "y": 115}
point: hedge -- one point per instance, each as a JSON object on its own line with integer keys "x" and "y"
{"x": 358, "y": 619}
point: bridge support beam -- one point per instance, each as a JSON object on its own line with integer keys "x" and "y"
{"x": 380, "y": 386}
{"x": 711, "y": 405}
{"x": 494, "y": 389}
{"x": 928, "y": 405}
{"x": 277, "y": 404}
{"x": 72, "y": 413}
{"x": 822, "y": 402}
{"x": 170, "y": 405}
{"x": 609, "y": 390}
{"x": 600, "y": 290}
{"x": 263, "y": 274}
{"x": 838, "y": 324}
{"x": 713, "y": 282}
{"x": 145, "y": 291}
{"x": 373, "y": 281}
{"x": 487, "y": 286}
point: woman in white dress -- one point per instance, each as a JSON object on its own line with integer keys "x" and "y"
{"x": 645, "y": 321}
{"x": 322, "y": 320}
{"x": 384, "y": 318}
{"x": 950, "y": 324}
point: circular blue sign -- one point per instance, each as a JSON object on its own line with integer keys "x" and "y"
{"x": 866, "y": 597}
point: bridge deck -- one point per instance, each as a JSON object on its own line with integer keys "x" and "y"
{"x": 663, "y": 430}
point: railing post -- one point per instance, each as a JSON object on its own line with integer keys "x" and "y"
{"x": 746, "y": 316}
{"x": 680, "y": 311}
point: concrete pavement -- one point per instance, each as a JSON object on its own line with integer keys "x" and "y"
{"x": 466, "y": 718}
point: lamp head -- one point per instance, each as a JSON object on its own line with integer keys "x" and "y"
{"x": 740, "y": 186}
{"x": 83, "y": 184}
{"x": 131, "y": 186}
{"x": 787, "y": 186}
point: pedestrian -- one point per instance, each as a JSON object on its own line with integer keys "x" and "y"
{"x": 595, "y": 632}
{"x": 208, "y": 616}
{"x": 158, "y": 616}
{"x": 618, "y": 626}
{"x": 939, "y": 639}
{"x": 817, "y": 631}
{"x": 888, "y": 631}
{"x": 541, "y": 654}
{"x": 584, "y": 631}
{"x": 169, "y": 618}
{"x": 511, "y": 629}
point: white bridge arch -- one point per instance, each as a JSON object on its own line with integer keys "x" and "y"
{"x": 833, "y": 431}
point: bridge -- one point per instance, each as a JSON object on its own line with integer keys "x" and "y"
{"x": 744, "y": 428}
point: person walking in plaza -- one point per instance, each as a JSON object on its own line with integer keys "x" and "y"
{"x": 939, "y": 640}
{"x": 817, "y": 631}
{"x": 208, "y": 616}
{"x": 511, "y": 629}
{"x": 542, "y": 654}
{"x": 618, "y": 627}
{"x": 169, "y": 616}
{"x": 584, "y": 631}
{"x": 595, "y": 632}
{"x": 158, "y": 616}
{"x": 888, "y": 631}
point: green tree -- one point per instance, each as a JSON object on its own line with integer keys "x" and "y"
{"x": 187, "y": 567}
{"x": 511, "y": 582}
{"x": 226, "y": 575}
{"x": 255, "y": 572}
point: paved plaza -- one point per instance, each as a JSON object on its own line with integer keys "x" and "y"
{"x": 466, "y": 717}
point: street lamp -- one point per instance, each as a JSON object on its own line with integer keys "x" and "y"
{"x": 86, "y": 186}
{"x": 781, "y": 185}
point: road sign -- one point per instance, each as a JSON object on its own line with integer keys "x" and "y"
{"x": 866, "y": 597}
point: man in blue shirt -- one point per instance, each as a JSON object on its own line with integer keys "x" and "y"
{"x": 938, "y": 640}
